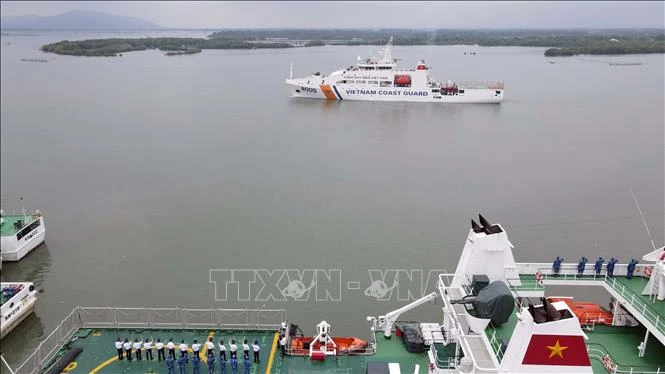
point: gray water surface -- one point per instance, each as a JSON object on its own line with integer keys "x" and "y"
{"x": 153, "y": 170}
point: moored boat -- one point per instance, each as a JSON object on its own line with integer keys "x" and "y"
{"x": 21, "y": 233}
{"x": 17, "y": 302}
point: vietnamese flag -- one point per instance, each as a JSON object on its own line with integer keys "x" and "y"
{"x": 567, "y": 350}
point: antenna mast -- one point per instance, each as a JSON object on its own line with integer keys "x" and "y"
{"x": 643, "y": 220}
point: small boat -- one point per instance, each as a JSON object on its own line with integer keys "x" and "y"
{"x": 21, "y": 233}
{"x": 17, "y": 302}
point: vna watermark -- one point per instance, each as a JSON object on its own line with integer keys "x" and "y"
{"x": 321, "y": 284}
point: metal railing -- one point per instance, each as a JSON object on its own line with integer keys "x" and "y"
{"x": 636, "y": 303}
{"x": 147, "y": 318}
{"x": 614, "y": 368}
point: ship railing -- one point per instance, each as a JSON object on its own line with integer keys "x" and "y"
{"x": 450, "y": 362}
{"x": 601, "y": 355}
{"x": 569, "y": 272}
{"x": 492, "y": 85}
{"x": 148, "y": 318}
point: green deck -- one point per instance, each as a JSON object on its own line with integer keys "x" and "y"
{"x": 7, "y": 227}
{"x": 98, "y": 348}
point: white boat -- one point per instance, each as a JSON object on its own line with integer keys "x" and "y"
{"x": 380, "y": 79}
{"x": 21, "y": 233}
{"x": 18, "y": 301}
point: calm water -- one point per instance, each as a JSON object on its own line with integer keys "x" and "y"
{"x": 152, "y": 170}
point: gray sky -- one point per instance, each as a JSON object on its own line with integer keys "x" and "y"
{"x": 330, "y": 14}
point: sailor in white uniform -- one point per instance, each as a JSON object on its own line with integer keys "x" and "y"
{"x": 234, "y": 349}
{"x": 211, "y": 346}
{"x": 245, "y": 348}
{"x": 148, "y": 349}
{"x": 137, "y": 348}
{"x": 282, "y": 344}
{"x": 196, "y": 347}
{"x": 128, "y": 349}
{"x": 118, "y": 347}
{"x": 183, "y": 349}
{"x": 160, "y": 350}
{"x": 256, "y": 348}
{"x": 171, "y": 347}
{"x": 222, "y": 349}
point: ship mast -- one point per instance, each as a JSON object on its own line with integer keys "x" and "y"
{"x": 387, "y": 52}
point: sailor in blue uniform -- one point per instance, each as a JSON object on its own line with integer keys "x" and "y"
{"x": 170, "y": 365}
{"x": 222, "y": 364}
{"x": 234, "y": 365}
{"x": 631, "y": 268}
{"x": 581, "y": 265}
{"x": 196, "y": 363}
{"x": 181, "y": 364}
{"x": 211, "y": 363}
{"x": 247, "y": 364}
{"x": 610, "y": 266}
{"x": 556, "y": 267}
{"x": 599, "y": 265}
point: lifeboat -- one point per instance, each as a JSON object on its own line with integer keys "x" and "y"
{"x": 587, "y": 313}
{"x": 402, "y": 80}
{"x": 345, "y": 345}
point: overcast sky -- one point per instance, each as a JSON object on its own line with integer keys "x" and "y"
{"x": 329, "y": 14}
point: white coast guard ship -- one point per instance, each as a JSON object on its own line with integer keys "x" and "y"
{"x": 379, "y": 79}
{"x": 20, "y": 234}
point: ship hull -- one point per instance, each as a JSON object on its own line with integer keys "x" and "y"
{"x": 14, "y": 250}
{"x": 302, "y": 89}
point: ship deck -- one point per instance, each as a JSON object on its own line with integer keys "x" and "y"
{"x": 8, "y": 228}
{"x": 99, "y": 354}
{"x": 619, "y": 342}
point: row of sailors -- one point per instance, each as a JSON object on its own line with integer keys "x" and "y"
{"x": 127, "y": 348}
{"x": 196, "y": 363}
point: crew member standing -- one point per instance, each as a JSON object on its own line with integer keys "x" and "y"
{"x": 210, "y": 345}
{"x": 171, "y": 348}
{"x": 234, "y": 349}
{"x": 247, "y": 364}
{"x": 211, "y": 362}
{"x": 183, "y": 350}
{"x": 118, "y": 347}
{"x": 170, "y": 365}
{"x": 256, "y": 349}
{"x": 137, "y": 348}
{"x": 148, "y": 349}
{"x": 282, "y": 344}
{"x": 181, "y": 364}
{"x": 160, "y": 350}
{"x": 128, "y": 349}
{"x": 245, "y": 348}
{"x": 222, "y": 350}
{"x": 196, "y": 347}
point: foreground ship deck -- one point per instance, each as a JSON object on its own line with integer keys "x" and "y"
{"x": 499, "y": 322}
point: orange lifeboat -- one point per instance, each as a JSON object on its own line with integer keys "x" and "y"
{"x": 587, "y": 313}
{"x": 403, "y": 80}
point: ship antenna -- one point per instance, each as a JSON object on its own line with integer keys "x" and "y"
{"x": 23, "y": 208}
{"x": 643, "y": 220}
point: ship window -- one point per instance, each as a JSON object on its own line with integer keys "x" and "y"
{"x": 27, "y": 230}
{"x": 436, "y": 90}
{"x": 386, "y": 83}
{"x": 461, "y": 91}
{"x": 360, "y": 82}
{"x": 498, "y": 92}
{"x": 373, "y": 82}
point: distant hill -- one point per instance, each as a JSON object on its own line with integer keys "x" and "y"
{"x": 76, "y": 20}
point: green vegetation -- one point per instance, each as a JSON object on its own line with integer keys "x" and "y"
{"x": 314, "y": 43}
{"x": 189, "y": 51}
{"x": 113, "y": 46}
{"x": 560, "y": 42}
{"x": 609, "y": 48}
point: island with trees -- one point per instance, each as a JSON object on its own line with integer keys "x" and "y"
{"x": 558, "y": 42}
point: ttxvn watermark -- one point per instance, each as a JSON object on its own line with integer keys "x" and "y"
{"x": 321, "y": 284}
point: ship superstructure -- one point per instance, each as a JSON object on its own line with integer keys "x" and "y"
{"x": 380, "y": 79}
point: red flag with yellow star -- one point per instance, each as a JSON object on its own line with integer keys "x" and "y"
{"x": 567, "y": 350}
